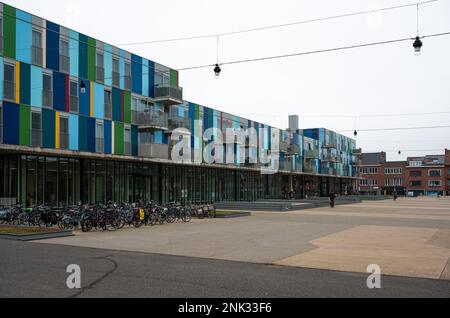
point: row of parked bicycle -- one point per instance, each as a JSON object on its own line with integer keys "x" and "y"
{"x": 108, "y": 217}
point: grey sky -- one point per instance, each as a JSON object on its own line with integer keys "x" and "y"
{"x": 375, "y": 80}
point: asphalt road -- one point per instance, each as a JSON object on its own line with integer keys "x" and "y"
{"x": 39, "y": 270}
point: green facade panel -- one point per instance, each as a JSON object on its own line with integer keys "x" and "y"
{"x": 92, "y": 43}
{"x": 127, "y": 107}
{"x": 24, "y": 125}
{"x": 9, "y": 31}
{"x": 118, "y": 138}
{"x": 173, "y": 78}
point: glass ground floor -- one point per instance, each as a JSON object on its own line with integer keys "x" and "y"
{"x": 58, "y": 181}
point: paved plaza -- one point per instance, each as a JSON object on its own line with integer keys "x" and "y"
{"x": 409, "y": 238}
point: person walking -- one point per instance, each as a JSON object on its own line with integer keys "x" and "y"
{"x": 332, "y": 199}
{"x": 395, "y": 195}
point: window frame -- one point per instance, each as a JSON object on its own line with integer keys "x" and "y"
{"x": 12, "y": 64}
{"x": 49, "y": 74}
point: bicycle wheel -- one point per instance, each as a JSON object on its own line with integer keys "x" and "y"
{"x": 187, "y": 217}
{"x": 86, "y": 225}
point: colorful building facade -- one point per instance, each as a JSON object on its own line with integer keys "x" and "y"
{"x": 82, "y": 120}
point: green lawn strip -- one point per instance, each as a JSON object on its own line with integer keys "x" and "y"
{"x": 225, "y": 213}
{"x": 25, "y": 230}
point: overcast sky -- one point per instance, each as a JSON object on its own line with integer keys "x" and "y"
{"x": 376, "y": 80}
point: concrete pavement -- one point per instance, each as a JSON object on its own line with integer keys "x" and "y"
{"x": 409, "y": 237}
{"x": 39, "y": 270}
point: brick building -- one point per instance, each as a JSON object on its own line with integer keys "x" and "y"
{"x": 428, "y": 175}
{"x": 380, "y": 176}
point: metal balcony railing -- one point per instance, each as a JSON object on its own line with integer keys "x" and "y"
{"x": 64, "y": 64}
{"x": 64, "y": 140}
{"x": 100, "y": 75}
{"x": 36, "y": 55}
{"x": 330, "y": 158}
{"x": 9, "y": 90}
{"x": 73, "y": 100}
{"x": 99, "y": 145}
{"x": 311, "y": 154}
{"x": 168, "y": 94}
{"x": 115, "y": 79}
{"x": 153, "y": 119}
{"x": 330, "y": 144}
{"x": 36, "y": 137}
{"x": 294, "y": 149}
{"x": 134, "y": 117}
{"x": 179, "y": 122}
{"x": 150, "y": 150}
{"x": 283, "y": 146}
{"x": 47, "y": 98}
{"x": 357, "y": 152}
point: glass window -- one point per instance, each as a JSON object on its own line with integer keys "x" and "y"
{"x": 64, "y": 132}
{"x": 1, "y": 125}
{"x": 435, "y": 183}
{"x": 108, "y": 106}
{"x": 434, "y": 173}
{"x": 73, "y": 93}
{"x": 116, "y": 72}
{"x": 64, "y": 47}
{"x": 127, "y": 78}
{"x": 36, "y": 129}
{"x": 115, "y": 65}
{"x": 36, "y": 47}
{"x": 47, "y": 90}
{"x": 9, "y": 81}
{"x": 416, "y": 183}
{"x": 99, "y": 136}
{"x": 100, "y": 59}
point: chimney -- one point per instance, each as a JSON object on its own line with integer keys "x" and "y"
{"x": 293, "y": 123}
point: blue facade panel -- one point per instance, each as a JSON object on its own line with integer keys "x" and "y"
{"x": 136, "y": 74}
{"x": 108, "y": 64}
{"x": 108, "y": 136}
{"x": 83, "y": 56}
{"x": 82, "y": 136}
{"x": 10, "y": 123}
{"x": 59, "y": 91}
{"x": 151, "y": 79}
{"x": 91, "y": 134}
{"x": 36, "y": 86}
{"x": 25, "y": 84}
{"x": 1, "y": 77}
{"x": 145, "y": 79}
{"x": 74, "y": 53}
{"x": 73, "y": 132}
{"x": 23, "y": 36}
{"x": 117, "y": 104}
{"x": 99, "y": 101}
{"x": 85, "y": 99}
{"x": 52, "y": 46}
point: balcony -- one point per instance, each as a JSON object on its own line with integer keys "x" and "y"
{"x": 284, "y": 146}
{"x": 100, "y": 74}
{"x": 36, "y": 55}
{"x": 47, "y": 98}
{"x": 329, "y": 145}
{"x": 150, "y": 150}
{"x": 330, "y": 158}
{"x": 64, "y": 64}
{"x": 310, "y": 169}
{"x": 357, "y": 152}
{"x": 169, "y": 95}
{"x": 294, "y": 150}
{"x": 311, "y": 154}
{"x": 152, "y": 119}
{"x": 64, "y": 140}
{"x": 9, "y": 91}
{"x": 179, "y": 122}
